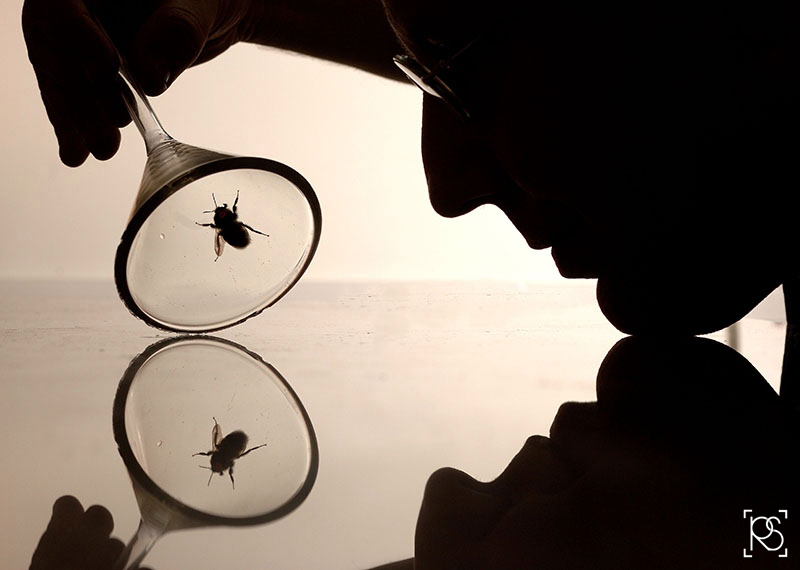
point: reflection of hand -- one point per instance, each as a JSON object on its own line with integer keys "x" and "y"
{"x": 76, "y": 63}
{"x": 76, "y": 539}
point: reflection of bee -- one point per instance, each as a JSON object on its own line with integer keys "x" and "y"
{"x": 229, "y": 228}
{"x": 225, "y": 450}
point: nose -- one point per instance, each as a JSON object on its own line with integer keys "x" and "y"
{"x": 460, "y": 166}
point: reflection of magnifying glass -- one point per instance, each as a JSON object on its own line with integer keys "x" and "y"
{"x": 213, "y": 238}
{"x": 186, "y": 395}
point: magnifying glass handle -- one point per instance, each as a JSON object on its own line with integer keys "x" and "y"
{"x": 140, "y": 544}
{"x": 140, "y": 110}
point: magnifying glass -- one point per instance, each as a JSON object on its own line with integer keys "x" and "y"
{"x": 210, "y": 435}
{"x": 213, "y": 239}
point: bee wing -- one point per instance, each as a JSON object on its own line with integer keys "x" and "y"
{"x": 219, "y": 243}
{"x": 216, "y": 435}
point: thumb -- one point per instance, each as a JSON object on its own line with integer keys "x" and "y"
{"x": 169, "y": 41}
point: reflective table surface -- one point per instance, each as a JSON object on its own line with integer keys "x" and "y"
{"x": 398, "y": 379}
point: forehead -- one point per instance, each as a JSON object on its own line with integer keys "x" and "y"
{"x": 438, "y": 28}
{"x": 428, "y": 24}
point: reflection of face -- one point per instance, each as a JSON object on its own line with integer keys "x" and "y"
{"x": 636, "y": 147}
{"x": 652, "y": 475}
{"x": 542, "y": 513}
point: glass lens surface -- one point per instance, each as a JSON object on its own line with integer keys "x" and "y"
{"x": 168, "y": 403}
{"x": 195, "y": 264}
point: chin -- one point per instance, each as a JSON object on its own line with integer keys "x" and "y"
{"x": 669, "y": 306}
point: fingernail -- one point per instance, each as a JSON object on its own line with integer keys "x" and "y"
{"x": 155, "y": 74}
{"x": 161, "y": 74}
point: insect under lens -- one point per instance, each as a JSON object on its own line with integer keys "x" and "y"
{"x": 225, "y": 451}
{"x": 228, "y": 227}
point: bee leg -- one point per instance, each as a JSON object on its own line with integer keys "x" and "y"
{"x": 206, "y": 225}
{"x": 251, "y": 449}
{"x": 254, "y": 230}
{"x": 230, "y": 473}
{"x": 235, "y": 201}
{"x": 206, "y": 453}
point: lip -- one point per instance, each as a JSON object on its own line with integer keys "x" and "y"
{"x": 573, "y": 246}
{"x": 539, "y": 224}
{"x": 536, "y": 243}
{"x": 575, "y": 261}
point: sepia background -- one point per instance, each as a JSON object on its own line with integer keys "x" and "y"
{"x": 405, "y": 357}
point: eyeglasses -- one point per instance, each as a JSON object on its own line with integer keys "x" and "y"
{"x": 430, "y": 79}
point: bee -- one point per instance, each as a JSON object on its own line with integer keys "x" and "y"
{"x": 228, "y": 227}
{"x": 225, "y": 451}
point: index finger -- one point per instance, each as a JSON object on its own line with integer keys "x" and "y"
{"x": 66, "y": 510}
{"x": 76, "y": 65}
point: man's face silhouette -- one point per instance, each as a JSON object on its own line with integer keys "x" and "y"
{"x": 646, "y": 150}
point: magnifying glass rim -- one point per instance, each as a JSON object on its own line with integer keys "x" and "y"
{"x": 158, "y": 197}
{"x": 143, "y": 479}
